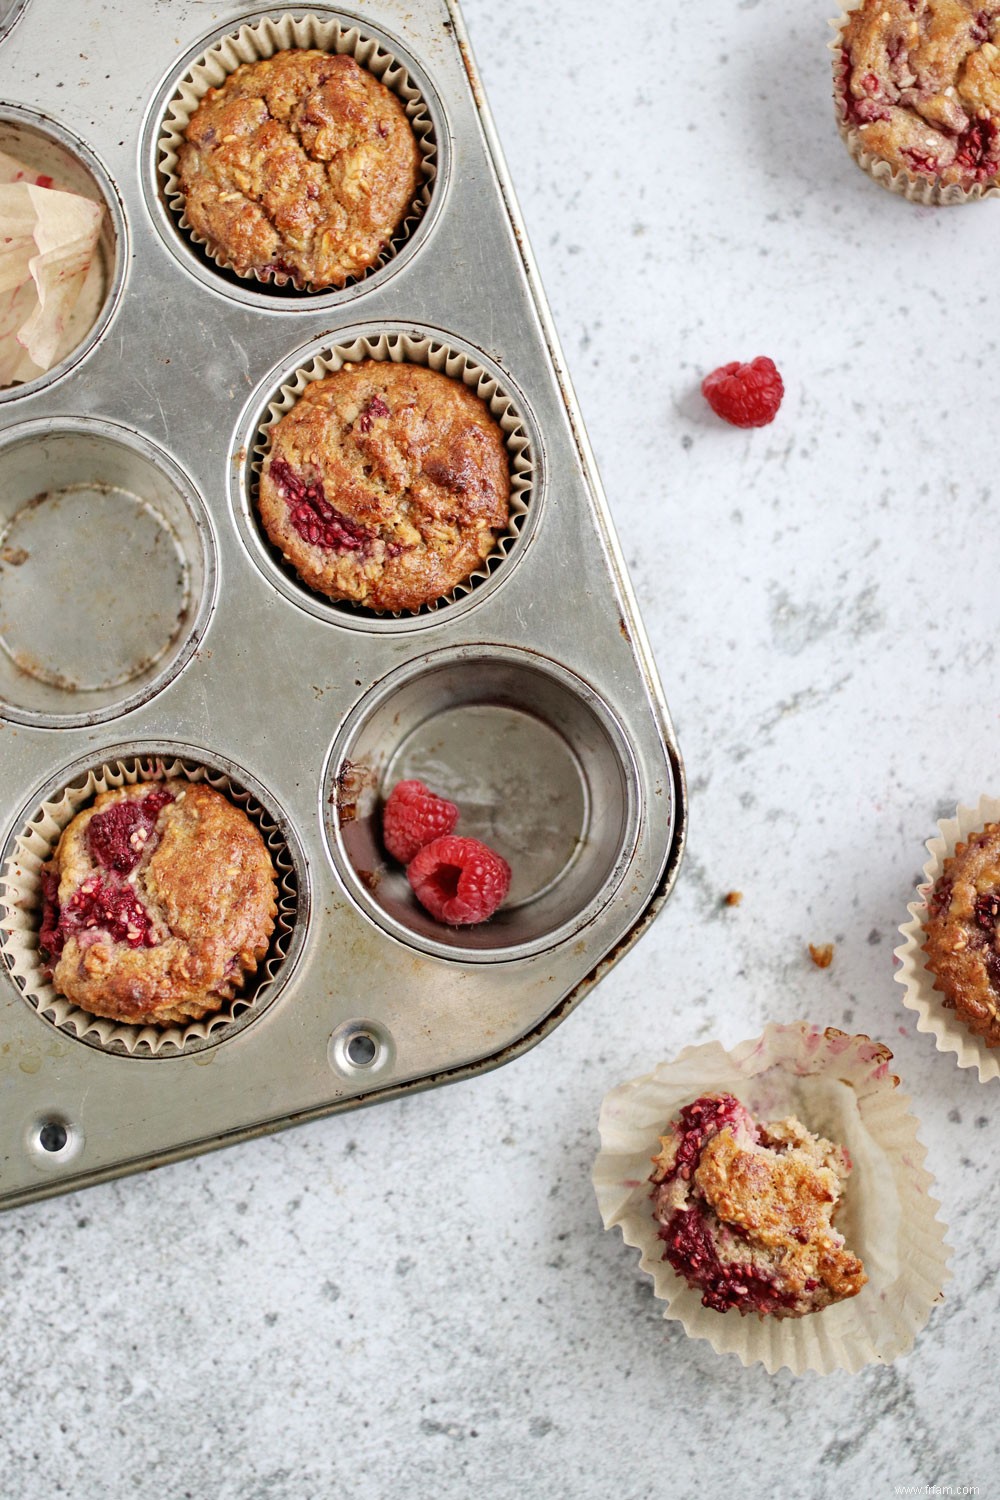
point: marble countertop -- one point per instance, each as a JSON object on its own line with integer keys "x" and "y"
{"x": 419, "y": 1298}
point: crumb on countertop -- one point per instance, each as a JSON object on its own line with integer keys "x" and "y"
{"x": 821, "y": 955}
{"x": 732, "y": 898}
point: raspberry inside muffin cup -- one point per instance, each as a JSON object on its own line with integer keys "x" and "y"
{"x": 259, "y": 41}
{"x": 25, "y": 913}
{"x": 840, "y": 1087}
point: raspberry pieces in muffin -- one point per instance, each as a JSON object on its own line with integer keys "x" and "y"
{"x": 961, "y": 940}
{"x": 385, "y": 485}
{"x": 745, "y": 1211}
{"x": 919, "y": 81}
{"x": 158, "y": 901}
{"x": 302, "y": 165}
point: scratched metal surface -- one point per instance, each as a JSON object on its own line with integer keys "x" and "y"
{"x": 270, "y": 687}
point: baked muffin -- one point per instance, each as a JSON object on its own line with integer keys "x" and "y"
{"x": 158, "y": 901}
{"x": 917, "y": 85}
{"x": 745, "y": 1211}
{"x": 300, "y": 166}
{"x": 385, "y": 485}
{"x": 961, "y": 940}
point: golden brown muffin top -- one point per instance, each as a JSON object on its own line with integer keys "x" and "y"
{"x": 385, "y": 484}
{"x": 922, "y": 86}
{"x": 960, "y": 933}
{"x": 302, "y": 165}
{"x": 159, "y": 899}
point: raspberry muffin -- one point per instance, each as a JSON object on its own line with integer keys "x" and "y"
{"x": 745, "y": 1211}
{"x": 917, "y": 88}
{"x": 961, "y": 940}
{"x": 157, "y": 903}
{"x": 301, "y": 166}
{"x": 385, "y": 485}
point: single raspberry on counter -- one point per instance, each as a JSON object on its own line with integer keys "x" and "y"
{"x": 414, "y": 815}
{"x": 745, "y": 395}
{"x": 459, "y": 881}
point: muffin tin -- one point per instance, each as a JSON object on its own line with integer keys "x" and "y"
{"x": 146, "y": 626}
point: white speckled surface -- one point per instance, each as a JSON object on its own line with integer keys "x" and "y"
{"x": 418, "y": 1299}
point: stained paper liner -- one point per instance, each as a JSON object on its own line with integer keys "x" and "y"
{"x": 261, "y": 39}
{"x": 921, "y": 996}
{"x": 912, "y": 185}
{"x": 21, "y": 908}
{"x": 840, "y": 1087}
{"x": 416, "y": 349}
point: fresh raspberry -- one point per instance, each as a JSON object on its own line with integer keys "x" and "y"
{"x": 746, "y": 395}
{"x": 459, "y": 881}
{"x": 414, "y": 815}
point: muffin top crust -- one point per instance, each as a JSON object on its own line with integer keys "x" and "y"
{"x": 158, "y": 901}
{"x": 961, "y": 938}
{"x": 921, "y": 85}
{"x": 302, "y": 165}
{"x": 746, "y": 1211}
{"x": 385, "y": 484}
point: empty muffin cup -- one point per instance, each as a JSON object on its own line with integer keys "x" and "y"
{"x": 258, "y": 37}
{"x": 59, "y": 160}
{"x": 539, "y": 768}
{"x": 107, "y": 571}
{"x": 397, "y": 344}
{"x": 32, "y": 842}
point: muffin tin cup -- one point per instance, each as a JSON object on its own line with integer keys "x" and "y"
{"x": 951, "y": 1035}
{"x": 841, "y": 1087}
{"x": 48, "y": 147}
{"x": 33, "y": 843}
{"x": 399, "y": 344}
{"x": 911, "y": 185}
{"x": 540, "y": 770}
{"x": 260, "y": 37}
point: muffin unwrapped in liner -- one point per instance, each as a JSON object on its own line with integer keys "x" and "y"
{"x": 839, "y": 1086}
{"x": 261, "y": 39}
{"x": 970, "y": 1050}
{"x": 418, "y": 349}
{"x": 21, "y": 909}
{"x": 914, "y": 186}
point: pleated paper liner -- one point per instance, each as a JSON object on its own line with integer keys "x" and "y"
{"x": 933, "y": 1016}
{"x": 418, "y": 349}
{"x": 262, "y": 39}
{"x": 21, "y": 911}
{"x": 914, "y": 186}
{"x": 841, "y": 1087}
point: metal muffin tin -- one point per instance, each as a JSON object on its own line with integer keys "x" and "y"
{"x": 143, "y": 621}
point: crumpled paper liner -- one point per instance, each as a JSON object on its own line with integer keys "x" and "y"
{"x": 913, "y": 973}
{"x": 911, "y": 185}
{"x": 21, "y": 903}
{"x": 261, "y": 39}
{"x": 413, "y": 348}
{"x": 839, "y": 1086}
{"x": 51, "y": 278}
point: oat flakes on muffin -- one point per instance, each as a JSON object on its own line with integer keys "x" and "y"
{"x": 158, "y": 902}
{"x": 385, "y": 485}
{"x": 746, "y": 1211}
{"x": 961, "y": 939}
{"x": 917, "y": 85}
{"x": 301, "y": 166}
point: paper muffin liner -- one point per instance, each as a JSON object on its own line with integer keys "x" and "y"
{"x": 952, "y": 1036}
{"x": 839, "y": 1086}
{"x": 21, "y": 905}
{"x": 911, "y": 185}
{"x": 261, "y": 39}
{"x": 416, "y": 349}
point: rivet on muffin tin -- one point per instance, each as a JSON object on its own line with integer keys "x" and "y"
{"x": 539, "y": 768}
{"x": 42, "y": 143}
{"x": 84, "y": 503}
{"x": 258, "y": 36}
{"x": 32, "y": 841}
{"x": 397, "y": 342}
